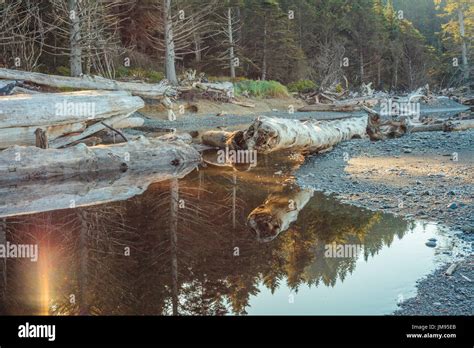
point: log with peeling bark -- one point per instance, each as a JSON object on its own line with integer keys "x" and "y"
{"x": 30, "y": 163}
{"x": 48, "y": 109}
{"x": 145, "y": 90}
{"x": 277, "y": 213}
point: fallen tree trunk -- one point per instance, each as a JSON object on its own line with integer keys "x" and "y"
{"x": 349, "y": 105}
{"x": 329, "y": 108}
{"x": 226, "y": 88}
{"x": 64, "y": 108}
{"x": 146, "y": 90}
{"x": 446, "y": 126}
{"x": 216, "y": 138}
{"x": 268, "y": 134}
{"x": 277, "y": 213}
{"x": 29, "y": 163}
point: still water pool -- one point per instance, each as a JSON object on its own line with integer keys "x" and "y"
{"x": 189, "y": 247}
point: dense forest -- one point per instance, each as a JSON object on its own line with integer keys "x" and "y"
{"x": 395, "y": 45}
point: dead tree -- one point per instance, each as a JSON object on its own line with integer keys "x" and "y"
{"x": 22, "y": 33}
{"x": 173, "y": 28}
{"x": 229, "y": 26}
{"x": 87, "y": 32}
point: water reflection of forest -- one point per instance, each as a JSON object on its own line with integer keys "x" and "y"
{"x": 183, "y": 247}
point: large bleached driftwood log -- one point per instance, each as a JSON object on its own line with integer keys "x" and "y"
{"x": 277, "y": 213}
{"x": 146, "y": 90}
{"x": 63, "y": 108}
{"x": 29, "y": 163}
{"x": 268, "y": 134}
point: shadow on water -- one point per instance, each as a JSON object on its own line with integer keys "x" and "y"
{"x": 189, "y": 247}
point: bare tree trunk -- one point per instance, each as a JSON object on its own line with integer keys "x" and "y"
{"x": 197, "y": 44}
{"x": 169, "y": 43}
{"x": 74, "y": 39}
{"x": 379, "y": 73}
{"x": 3, "y": 267}
{"x": 83, "y": 261}
{"x": 361, "y": 56}
{"x": 465, "y": 65}
{"x": 264, "y": 63}
{"x": 231, "y": 43}
{"x": 395, "y": 75}
{"x": 174, "y": 190}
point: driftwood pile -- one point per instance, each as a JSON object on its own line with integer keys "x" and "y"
{"x": 46, "y": 134}
{"x": 192, "y": 85}
{"x": 390, "y": 105}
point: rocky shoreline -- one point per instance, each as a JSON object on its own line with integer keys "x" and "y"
{"x": 423, "y": 176}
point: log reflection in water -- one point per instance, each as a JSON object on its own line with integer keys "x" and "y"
{"x": 81, "y": 191}
{"x": 278, "y": 211}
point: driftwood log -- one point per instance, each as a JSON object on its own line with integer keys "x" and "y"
{"x": 48, "y": 109}
{"x": 225, "y": 88}
{"x": 273, "y": 134}
{"x": 145, "y": 90}
{"x": 60, "y": 114}
{"x": 30, "y": 163}
{"x": 444, "y": 126}
{"x": 267, "y": 134}
{"x": 25, "y": 136}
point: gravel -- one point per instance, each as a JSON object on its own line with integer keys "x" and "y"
{"x": 439, "y": 294}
